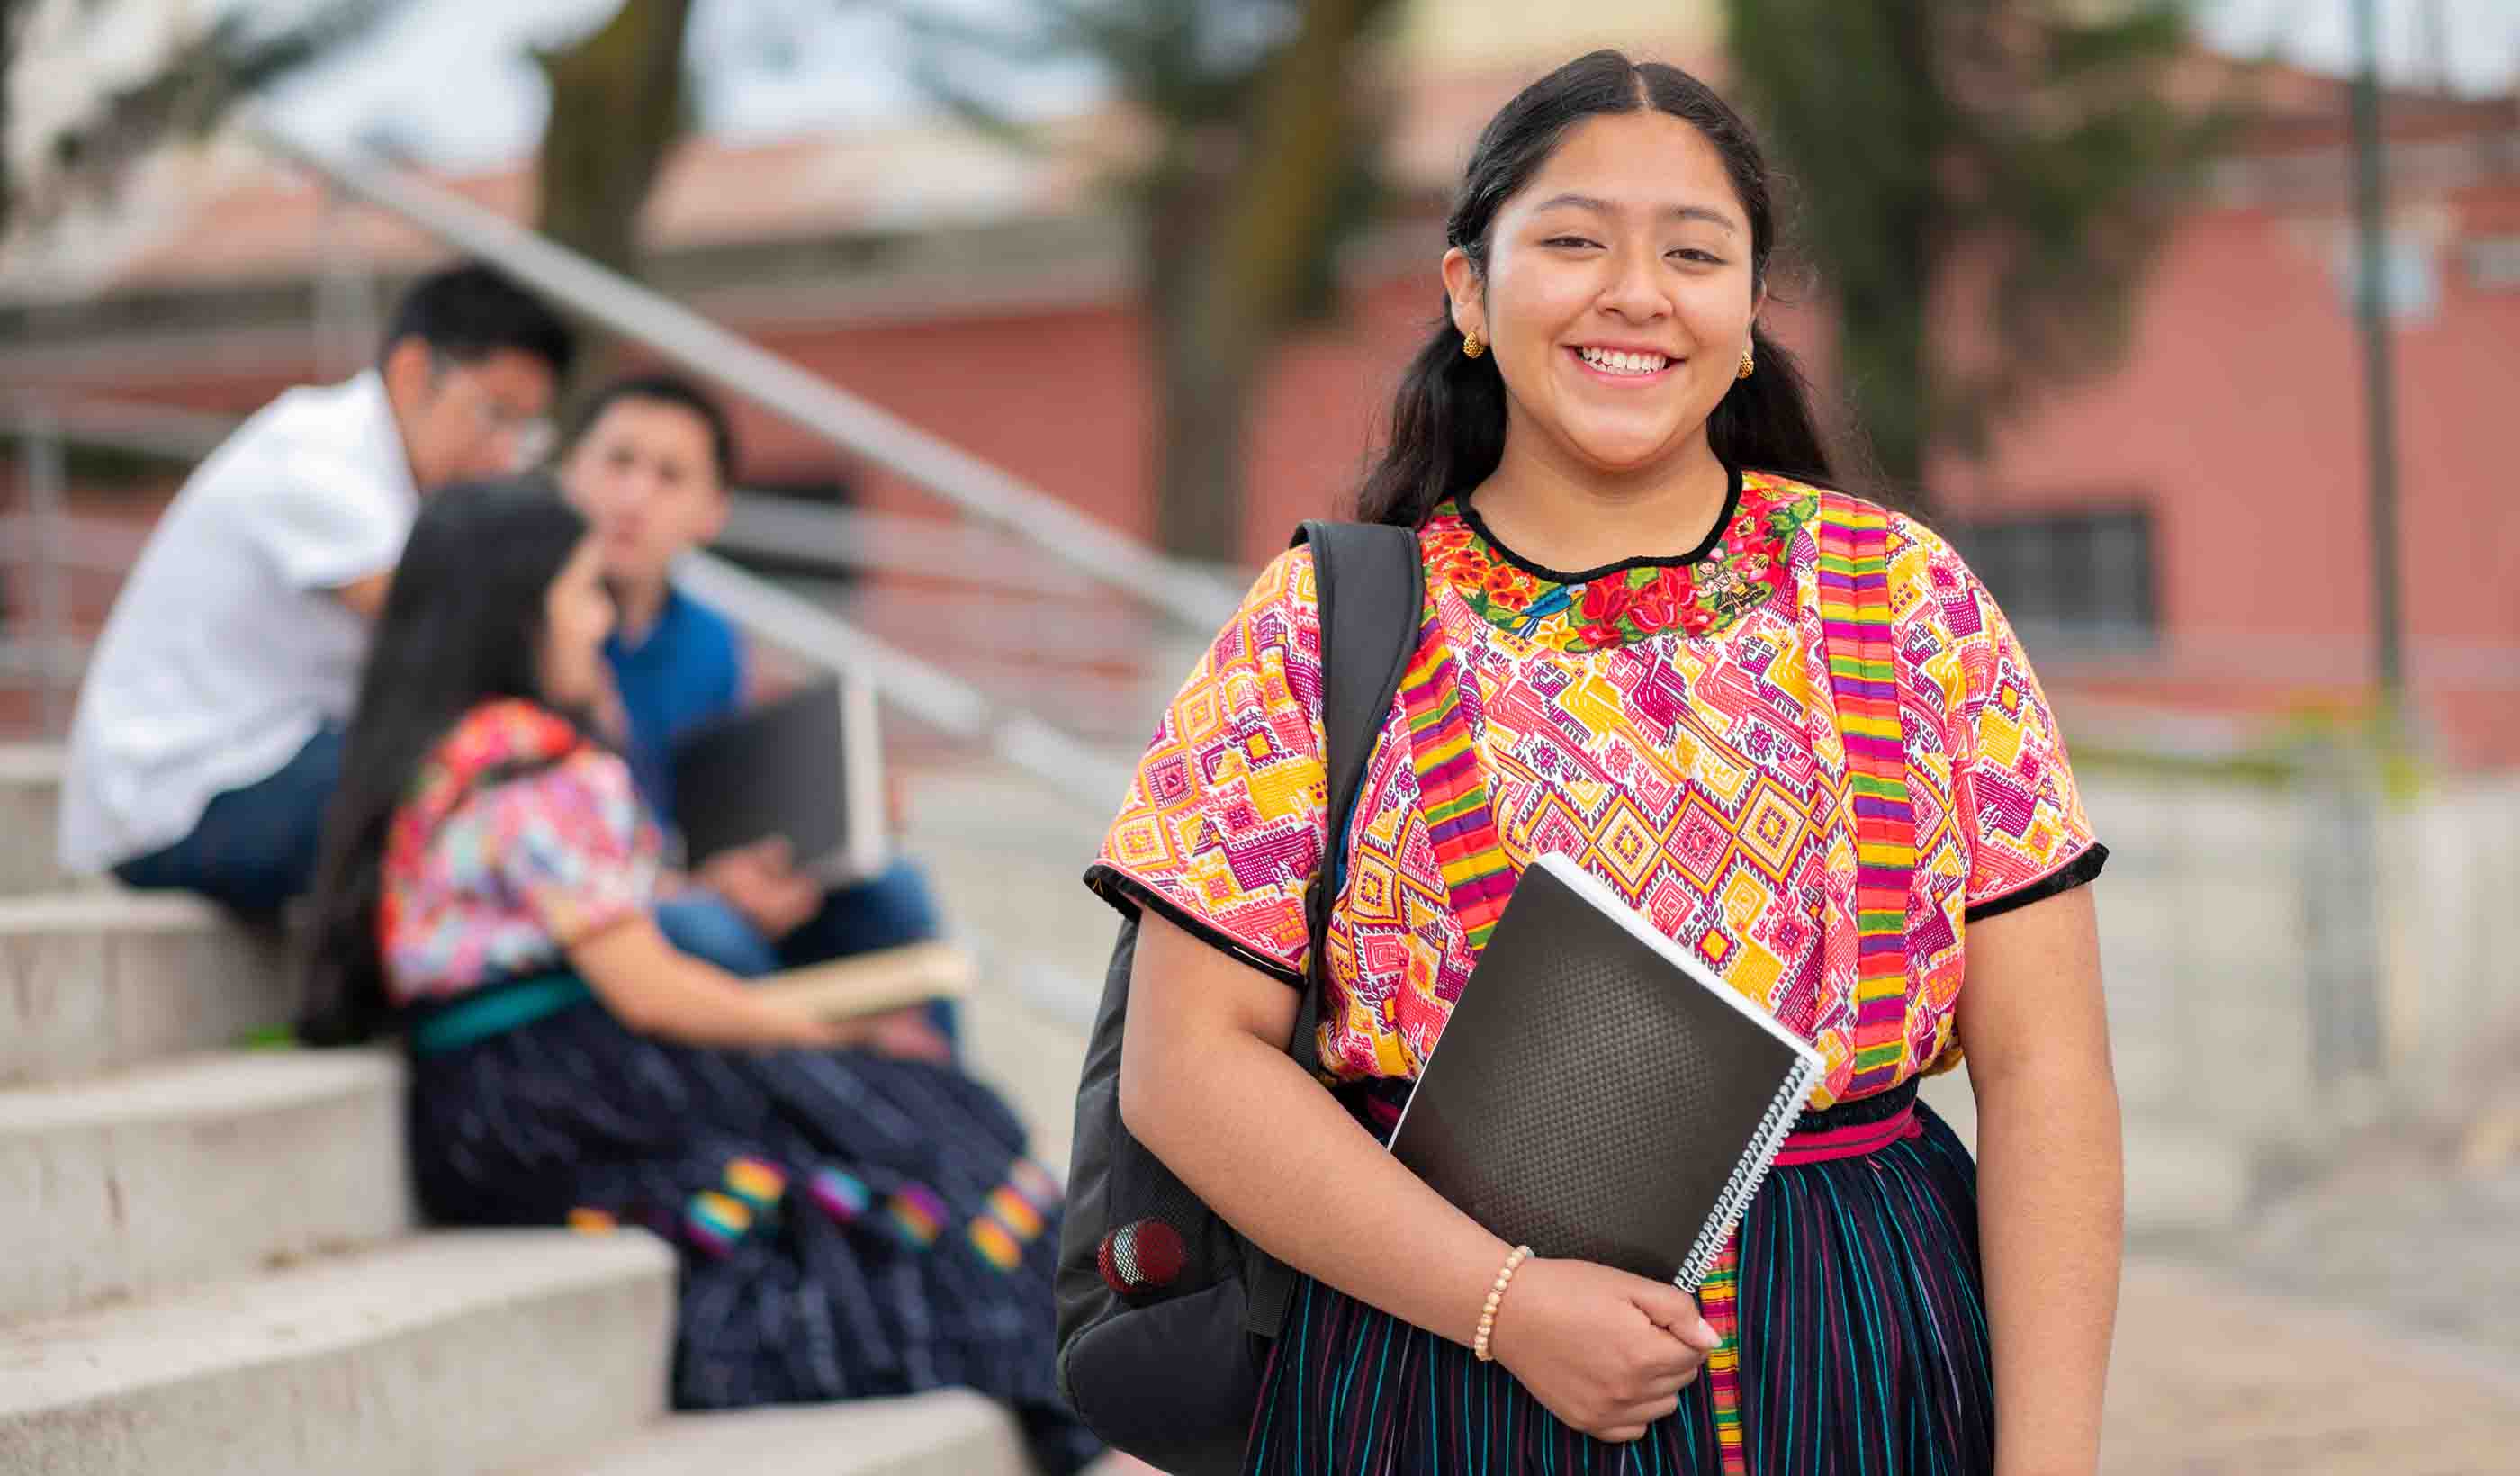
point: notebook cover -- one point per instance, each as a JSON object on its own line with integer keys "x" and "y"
{"x": 1596, "y": 1092}
{"x": 775, "y": 768}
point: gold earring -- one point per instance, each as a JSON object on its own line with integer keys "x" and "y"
{"x": 1748, "y": 364}
{"x": 1471, "y": 347}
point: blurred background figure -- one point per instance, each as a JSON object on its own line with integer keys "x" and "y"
{"x": 488, "y": 883}
{"x": 650, "y": 468}
{"x": 2191, "y": 324}
{"x": 208, "y": 731}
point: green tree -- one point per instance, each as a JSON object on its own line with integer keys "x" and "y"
{"x": 2015, "y": 161}
{"x": 234, "y": 59}
{"x": 1262, "y": 168}
{"x": 618, "y": 106}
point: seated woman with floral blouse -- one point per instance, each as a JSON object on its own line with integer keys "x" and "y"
{"x": 854, "y": 1214}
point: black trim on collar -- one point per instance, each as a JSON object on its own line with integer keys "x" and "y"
{"x": 1705, "y": 546}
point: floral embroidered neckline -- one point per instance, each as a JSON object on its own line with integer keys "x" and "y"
{"x": 1706, "y": 592}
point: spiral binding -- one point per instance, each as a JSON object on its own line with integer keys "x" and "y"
{"x": 1749, "y": 1173}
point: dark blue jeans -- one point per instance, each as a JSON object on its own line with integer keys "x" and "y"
{"x": 256, "y": 847}
{"x": 887, "y": 910}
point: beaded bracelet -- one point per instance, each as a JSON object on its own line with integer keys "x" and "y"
{"x": 1496, "y": 1298}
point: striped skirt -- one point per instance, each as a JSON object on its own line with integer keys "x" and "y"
{"x": 848, "y": 1225}
{"x": 1860, "y": 1340}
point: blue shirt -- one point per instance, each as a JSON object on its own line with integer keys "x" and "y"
{"x": 687, "y": 671}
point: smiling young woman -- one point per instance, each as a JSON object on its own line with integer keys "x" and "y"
{"x": 1786, "y": 724}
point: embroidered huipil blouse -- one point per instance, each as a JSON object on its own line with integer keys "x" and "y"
{"x": 1668, "y": 724}
{"x": 520, "y": 839}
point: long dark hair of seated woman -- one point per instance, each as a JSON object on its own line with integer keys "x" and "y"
{"x": 463, "y": 625}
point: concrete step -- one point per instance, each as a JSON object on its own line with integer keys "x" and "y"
{"x": 31, "y": 784}
{"x": 192, "y": 1170}
{"x": 1006, "y": 857}
{"x": 949, "y": 1430}
{"x": 95, "y": 981}
{"x": 479, "y": 1351}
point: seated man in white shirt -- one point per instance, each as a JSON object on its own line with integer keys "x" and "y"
{"x": 207, "y": 736}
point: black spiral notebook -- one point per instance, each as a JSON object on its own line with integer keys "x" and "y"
{"x": 1598, "y": 1092}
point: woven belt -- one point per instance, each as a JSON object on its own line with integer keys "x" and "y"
{"x": 1851, "y": 1129}
{"x": 471, "y": 1018}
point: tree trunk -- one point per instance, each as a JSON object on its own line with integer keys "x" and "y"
{"x": 1229, "y": 263}
{"x": 1886, "y": 352}
{"x": 1894, "y": 361}
{"x": 1203, "y": 435}
{"x": 616, "y": 109}
{"x": 15, "y": 17}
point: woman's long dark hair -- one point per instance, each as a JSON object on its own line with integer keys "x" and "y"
{"x": 463, "y": 624}
{"x": 1447, "y": 420}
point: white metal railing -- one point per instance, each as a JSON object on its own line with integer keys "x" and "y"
{"x": 846, "y": 422}
{"x": 46, "y": 565}
{"x": 44, "y": 545}
{"x": 922, "y": 689}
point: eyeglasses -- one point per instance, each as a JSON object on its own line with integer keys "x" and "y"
{"x": 529, "y": 436}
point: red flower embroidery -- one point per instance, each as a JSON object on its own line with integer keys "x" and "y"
{"x": 1605, "y": 600}
{"x": 1656, "y": 607}
{"x": 1614, "y": 611}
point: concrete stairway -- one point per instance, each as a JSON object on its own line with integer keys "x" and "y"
{"x": 213, "y": 1265}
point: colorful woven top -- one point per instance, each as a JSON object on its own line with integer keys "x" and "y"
{"x": 1675, "y": 726}
{"x": 518, "y": 841}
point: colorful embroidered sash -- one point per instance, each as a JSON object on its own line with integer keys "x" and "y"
{"x": 1479, "y": 877}
{"x": 1855, "y": 625}
{"x": 1441, "y": 707}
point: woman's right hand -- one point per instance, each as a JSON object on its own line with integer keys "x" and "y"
{"x": 1606, "y": 1352}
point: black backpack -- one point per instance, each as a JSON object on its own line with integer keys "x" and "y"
{"x": 1169, "y": 1371}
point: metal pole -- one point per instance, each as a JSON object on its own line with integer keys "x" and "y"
{"x": 48, "y": 566}
{"x": 2379, "y": 380}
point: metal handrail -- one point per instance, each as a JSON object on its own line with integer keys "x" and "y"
{"x": 922, "y": 689}
{"x": 51, "y": 542}
{"x": 826, "y": 411}
{"x": 764, "y": 524}
{"x": 160, "y": 431}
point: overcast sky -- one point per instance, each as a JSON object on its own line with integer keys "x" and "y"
{"x": 448, "y": 80}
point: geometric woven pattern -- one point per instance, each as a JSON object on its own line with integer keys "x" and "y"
{"x": 1701, "y": 774}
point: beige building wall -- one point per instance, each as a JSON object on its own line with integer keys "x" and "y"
{"x": 1477, "y": 35}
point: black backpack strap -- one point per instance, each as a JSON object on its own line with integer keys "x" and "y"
{"x": 1370, "y": 590}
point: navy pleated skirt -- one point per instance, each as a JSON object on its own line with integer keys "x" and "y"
{"x": 1862, "y": 1336}
{"x": 848, "y": 1225}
